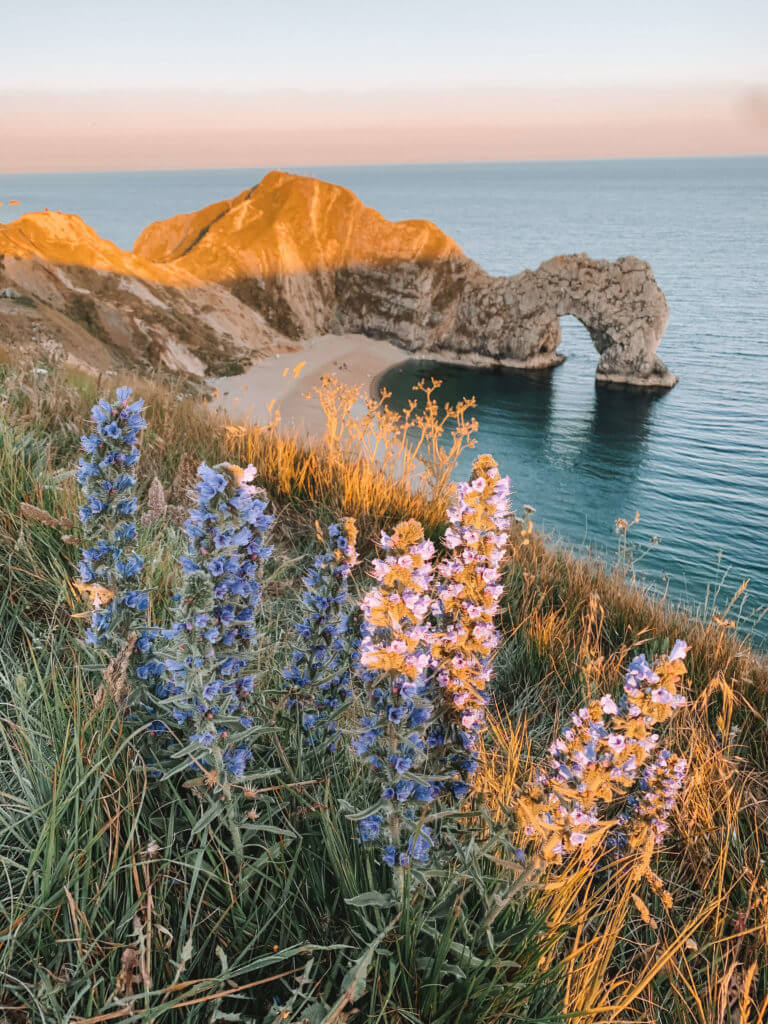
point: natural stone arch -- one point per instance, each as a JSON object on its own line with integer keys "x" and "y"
{"x": 621, "y": 306}
{"x": 516, "y": 320}
{"x": 575, "y": 341}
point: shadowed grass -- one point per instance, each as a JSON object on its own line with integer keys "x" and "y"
{"x": 101, "y": 863}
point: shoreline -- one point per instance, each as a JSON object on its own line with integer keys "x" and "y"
{"x": 282, "y": 381}
{"x": 286, "y": 380}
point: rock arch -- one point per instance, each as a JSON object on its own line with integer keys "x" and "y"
{"x": 516, "y": 320}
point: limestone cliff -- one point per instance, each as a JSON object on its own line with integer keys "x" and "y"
{"x": 106, "y": 307}
{"x": 313, "y": 259}
{"x": 293, "y": 247}
{"x": 296, "y": 257}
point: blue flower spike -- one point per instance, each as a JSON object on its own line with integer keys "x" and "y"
{"x": 211, "y": 649}
{"x": 319, "y": 676}
{"x": 110, "y": 568}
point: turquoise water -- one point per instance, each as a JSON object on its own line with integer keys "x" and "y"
{"x": 694, "y": 461}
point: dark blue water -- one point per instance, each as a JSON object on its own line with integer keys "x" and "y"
{"x": 693, "y": 462}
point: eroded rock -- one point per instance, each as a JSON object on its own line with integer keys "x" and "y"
{"x": 313, "y": 259}
{"x": 108, "y": 308}
{"x": 295, "y": 257}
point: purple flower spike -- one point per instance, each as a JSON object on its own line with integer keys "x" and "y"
{"x": 109, "y": 566}
{"x": 209, "y": 657}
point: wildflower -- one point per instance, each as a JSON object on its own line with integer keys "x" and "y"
{"x": 679, "y": 650}
{"x": 369, "y": 827}
{"x": 607, "y": 752}
{"x": 211, "y": 645}
{"x": 659, "y": 786}
{"x": 420, "y": 844}
{"x": 608, "y": 704}
{"x": 465, "y": 607}
{"x": 394, "y": 652}
{"x": 109, "y": 565}
{"x": 319, "y": 675}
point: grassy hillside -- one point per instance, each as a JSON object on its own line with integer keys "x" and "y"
{"x": 122, "y": 901}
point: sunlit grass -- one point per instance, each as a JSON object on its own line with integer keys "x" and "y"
{"x": 103, "y": 885}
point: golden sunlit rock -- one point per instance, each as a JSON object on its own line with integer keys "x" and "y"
{"x": 295, "y": 258}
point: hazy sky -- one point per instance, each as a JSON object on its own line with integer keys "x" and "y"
{"x": 179, "y": 83}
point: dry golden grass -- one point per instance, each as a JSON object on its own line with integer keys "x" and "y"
{"x": 684, "y": 932}
{"x": 376, "y": 464}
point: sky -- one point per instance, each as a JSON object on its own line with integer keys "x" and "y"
{"x": 108, "y": 85}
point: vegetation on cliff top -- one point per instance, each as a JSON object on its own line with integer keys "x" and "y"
{"x": 118, "y": 905}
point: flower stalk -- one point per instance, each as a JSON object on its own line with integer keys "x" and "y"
{"x": 319, "y": 677}
{"x": 394, "y": 734}
{"x": 465, "y": 608}
{"x": 607, "y": 753}
{"x": 110, "y": 567}
{"x": 209, "y": 663}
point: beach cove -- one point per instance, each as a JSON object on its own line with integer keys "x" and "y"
{"x": 693, "y": 462}
{"x": 286, "y": 382}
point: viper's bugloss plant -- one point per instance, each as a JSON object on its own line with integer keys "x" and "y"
{"x": 110, "y": 568}
{"x": 319, "y": 678}
{"x": 608, "y": 752}
{"x": 209, "y": 663}
{"x": 467, "y": 594}
{"x": 655, "y": 797}
{"x": 394, "y": 733}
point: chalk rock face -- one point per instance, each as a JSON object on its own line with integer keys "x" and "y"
{"x": 312, "y": 259}
{"x": 108, "y": 308}
{"x": 620, "y": 304}
{"x": 282, "y": 247}
{"x": 295, "y": 257}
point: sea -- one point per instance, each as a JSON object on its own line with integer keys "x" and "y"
{"x": 688, "y": 469}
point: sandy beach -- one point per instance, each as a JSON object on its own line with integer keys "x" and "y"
{"x": 283, "y": 381}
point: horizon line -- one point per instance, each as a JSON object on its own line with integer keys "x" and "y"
{"x": 403, "y": 163}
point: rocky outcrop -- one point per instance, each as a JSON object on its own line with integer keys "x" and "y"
{"x": 295, "y": 257}
{"x": 620, "y": 304}
{"x": 108, "y": 308}
{"x": 314, "y": 260}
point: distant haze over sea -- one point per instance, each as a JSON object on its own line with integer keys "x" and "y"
{"x": 694, "y": 461}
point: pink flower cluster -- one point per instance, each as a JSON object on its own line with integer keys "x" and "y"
{"x": 466, "y": 603}
{"x": 393, "y": 736}
{"x": 400, "y": 604}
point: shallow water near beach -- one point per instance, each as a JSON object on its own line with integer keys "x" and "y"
{"x": 694, "y": 461}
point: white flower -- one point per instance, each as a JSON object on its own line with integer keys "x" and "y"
{"x": 679, "y": 650}
{"x": 608, "y": 704}
{"x": 661, "y": 696}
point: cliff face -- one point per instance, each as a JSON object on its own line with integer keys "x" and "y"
{"x": 107, "y": 307}
{"x": 313, "y": 259}
{"x": 296, "y": 257}
{"x": 288, "y": 246}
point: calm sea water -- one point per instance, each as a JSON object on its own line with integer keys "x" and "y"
{"x": 693, "y": 462}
